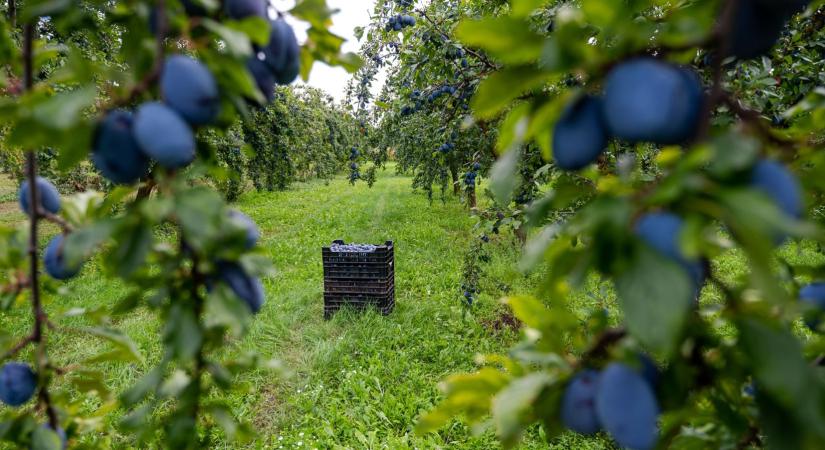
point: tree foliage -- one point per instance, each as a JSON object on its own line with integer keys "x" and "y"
{"x": 728, "y": 368}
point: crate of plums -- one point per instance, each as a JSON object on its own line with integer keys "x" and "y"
{"x": 359, "y": 275}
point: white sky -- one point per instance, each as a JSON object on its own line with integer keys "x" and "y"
{"x": 352, "y": 13}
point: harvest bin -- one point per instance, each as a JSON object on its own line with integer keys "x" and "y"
{"x": 359, "y": 279}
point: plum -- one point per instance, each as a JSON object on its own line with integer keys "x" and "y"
{"x": 56, "y": 265}
{"x": 578, "y": 404}
{"x": 754, "y": 29}
{"x": 780, "y": 185}
{"x": 263, "y": 77}
{"x": 115, "y": 152}
{"x": 248, "y": 225}
{"x": 282, "y": 53}
{"x": 17, "y": 383}
{"x": 49, "y": 197}
{"x": 247, "y": 288}
{"x": 164, "y": 136}
{"x": 580, "y": 135}
{"x": 814, "y": 296}
{"x": 647, "y": 100}
{"x": 627, "y": 408}
{"x": 661, "y": 231}
{"x": 241, "y": 9}
{"x": 189, "y": 88}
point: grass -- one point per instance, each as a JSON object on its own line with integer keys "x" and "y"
{"x": 358, "y": 380}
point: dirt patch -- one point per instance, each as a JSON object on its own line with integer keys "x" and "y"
{"x": 504, "y": 320}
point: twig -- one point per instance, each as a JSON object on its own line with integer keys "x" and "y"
{"x": 603, "y": 342}
{"x": 54, "y": 218}
{"x": 154, "y": 73}
{"x": 40, "y": 317}
{"x": 12, "y": 352}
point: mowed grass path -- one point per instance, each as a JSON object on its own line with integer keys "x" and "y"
{"x": 358, "y": 381}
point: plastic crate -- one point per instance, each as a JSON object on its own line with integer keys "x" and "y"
{"x": 359, "y": 279}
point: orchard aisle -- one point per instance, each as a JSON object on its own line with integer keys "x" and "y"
{"x": 357, "y": 381}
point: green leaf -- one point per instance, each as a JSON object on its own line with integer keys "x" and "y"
{"x": 120, "y": 340}
{"x": 80, "y": 244}
{"x": 237, "y": 42}
{"x": 134, "y": 242}
{"x": 182, "y": 332}
{"x": 44, "y": 438}
{"x": 503, "y": 178}
{"x": 656, "y": 295}
{"x": 64, "y": 110}
{"x": 508, "y": 39}
{"x": 143, "y": 387}
{"x": 511, "y": 406}
{"x": 499, "y": 89}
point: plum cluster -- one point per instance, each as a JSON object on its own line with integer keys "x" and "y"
{"x": 454, "y": 53}
{"x": 443, "y": 90}
{"x": 399, "y": 22}
{"x": 354, "y": 174}
{"x": 619, "y": 400}
{"x": 353, "y": 248}
{"x": 470, "y": 179}
{"x": 645, "y": 100}
{"x": 446, "y": 147}
{"x": 125, "y": 144}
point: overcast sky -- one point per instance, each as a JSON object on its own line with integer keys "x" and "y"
{"x": 352, "y": 13}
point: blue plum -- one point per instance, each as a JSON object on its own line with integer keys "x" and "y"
{"x": 48, "y": 194}
{"x": 56, "y": 266}
{"x": 17, "y": 383}
{"x": 814, "y": 296}
{"x": 580, "y": 134}
{"x": 647, "y": 100}
{"x": 241, "y": 9}
{"x": 164, "y": 135}
{"x": 263, "y": 77}
{"x": 247, "y": 288}
{"x": 578, "y": 404}
{"x": 627, "y": 408}
{"x": 248, "y": 225}
{"x": 189, "y": 88}
{"x": 282, "y": 53}
{"x": 780, "y": 185}
{"x": 661, "y": 231}
{"x": 758, "y": 24}
{"x": 115, "y": 152}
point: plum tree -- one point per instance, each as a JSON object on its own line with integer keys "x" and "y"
{"x": 189, "y": 88}
{"x": 164, "y": 135}
{"x": 241, "y": 9}
{"x": 580, "y": 134}
{"x": 281, "y": 54}
{"x": 247, "y": 288}
{"x": 248, "y": 225}
{"x": 813, "y": 295}
{"x": 662, "y": 231}
{"x": 115, "y": 152}
{"x": 56, "y": 265}
{"x": 627, "y": 407}
{"x": 17, "y": 383}
{"x": 578, "y": 405}
{"x": 48, "y": 194}
{"x": 776, "y": 182}
{"x": 647, "y": 100}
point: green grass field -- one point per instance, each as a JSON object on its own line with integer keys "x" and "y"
{"x": 359, "y": 380}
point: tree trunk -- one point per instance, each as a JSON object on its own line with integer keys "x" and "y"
{"x": 471, "y": 197}
{"x": 454, "y": 175}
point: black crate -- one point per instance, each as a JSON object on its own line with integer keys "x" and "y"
{"x": 358, "y": 279}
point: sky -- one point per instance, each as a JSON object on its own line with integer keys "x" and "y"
{"x": 352, "y": 13}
